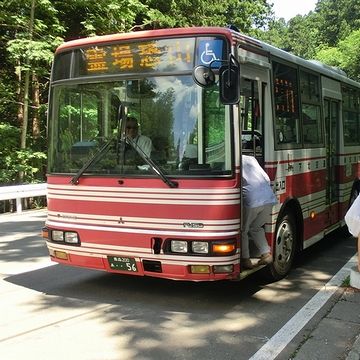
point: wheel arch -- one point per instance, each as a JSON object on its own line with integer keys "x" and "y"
{"x": 292, "y": 206}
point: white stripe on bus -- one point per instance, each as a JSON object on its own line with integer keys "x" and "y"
{"x": 209, "y": 202}
{"x": 186, "y": 232}
{"x": 144, "y": 190}
{"x": 71, "y": 216}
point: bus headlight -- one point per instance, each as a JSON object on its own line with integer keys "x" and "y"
{"x": 57, "y": 235}
{"x": 179, "y": 246}
{"x": 200, "y": 247}
{"x": 71, "y": 237}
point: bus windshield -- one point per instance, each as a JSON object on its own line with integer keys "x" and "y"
{"x": 186, "y": 131}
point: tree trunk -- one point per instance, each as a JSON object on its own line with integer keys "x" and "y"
{"x": 27, "y": 82}
{"x": 20, "y": 113}
{"x": 25, "y": 121}
{"x": 26, "y": 111}
{"x": 36, "y": 104}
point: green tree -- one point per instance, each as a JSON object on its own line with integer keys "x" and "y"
{"x": 275, "y": 34}
{"x": 337, "y": 19}
{"x": 302, "y": 36}
{"x": 29, "y": 33}
{"x": 328, "y": 34}
{"x": 345, "y": 56}
{"x": 246, "y": 15}
{"x": 98, "y": 17}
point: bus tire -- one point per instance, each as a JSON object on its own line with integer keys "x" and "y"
{"x": 284, "y": 247}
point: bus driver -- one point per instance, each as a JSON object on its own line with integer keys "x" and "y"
{"x": 142, "y": 141}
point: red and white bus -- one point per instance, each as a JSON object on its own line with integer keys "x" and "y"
{"x": 203, "y": 96}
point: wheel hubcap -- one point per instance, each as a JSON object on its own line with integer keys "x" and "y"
{"x": 284, "y": 244}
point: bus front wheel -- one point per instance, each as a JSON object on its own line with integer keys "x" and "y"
{"x": 283, "y": 248}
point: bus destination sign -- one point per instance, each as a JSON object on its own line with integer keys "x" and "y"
{"x": 157, "y": 55}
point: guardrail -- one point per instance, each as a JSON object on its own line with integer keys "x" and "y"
{"x": 19, "y": 192}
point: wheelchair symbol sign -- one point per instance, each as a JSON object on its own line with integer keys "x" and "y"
{"x": 209, "y": 51}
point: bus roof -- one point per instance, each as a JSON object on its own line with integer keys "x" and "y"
{"x": 144, "y": 35}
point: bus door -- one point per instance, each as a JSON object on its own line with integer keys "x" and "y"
{"x": 251, "y": 115}
{"x": 332, "y": 149}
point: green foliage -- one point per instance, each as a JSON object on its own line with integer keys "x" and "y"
{"x": 345, "y": 56}
{"x": 29, "y": 162}
{"x": 275, "y": 34}
{"x": 8, "y": 106}
{"x": 329, "y": 34}
{"x": 109, "y": 16}
{"x": 330, "y": 56}
{"x": 337, "y": 19}
{"x": 98, "y": 17}
{"x": 9, "y": 138}
{"x": 298, "y": 36}
{"x": 12, "y": 161}
{"x": 346, "y": 282}
{"x": 302, "y": 36}
{"x": 351, "y": 55}
{"x": 246, "y": 15}
{"x": 36, "y": 52}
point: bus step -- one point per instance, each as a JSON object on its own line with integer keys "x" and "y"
{"x": 152, "y": 266}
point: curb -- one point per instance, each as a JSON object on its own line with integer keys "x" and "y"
{"x": 354, "y": 353}
{"x": 355, "y": 277}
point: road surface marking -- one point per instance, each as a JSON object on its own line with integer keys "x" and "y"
{"x": 283, "y": 337}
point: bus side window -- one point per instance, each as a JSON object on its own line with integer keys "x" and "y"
{"x": 310, "y": 109}
{"x": 251, "y": 138}
{"x": 286, "y": 104}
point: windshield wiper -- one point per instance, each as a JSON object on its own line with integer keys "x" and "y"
{"x": 120, "y": 116}
{"x": 154, "y": 167}
{"x": 95, "y": 158}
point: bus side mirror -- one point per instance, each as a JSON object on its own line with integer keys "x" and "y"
{"x": 203, "y": 76}
{"x": 229, "y": 79}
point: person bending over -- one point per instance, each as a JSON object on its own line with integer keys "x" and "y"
{"x": 258, "y": 199}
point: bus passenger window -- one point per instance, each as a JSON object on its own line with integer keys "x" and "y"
{"x": 351, "y": 100}
{"x": 311, "y": 124}
{"x": 286, "y": 105}
{"x": 251, "y": 118}
{"x": 310, "y": 109}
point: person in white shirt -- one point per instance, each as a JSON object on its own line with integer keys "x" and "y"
{"x": 142, "y": 141}
{"x": 258, "y": 199}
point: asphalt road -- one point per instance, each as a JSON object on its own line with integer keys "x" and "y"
{"x": 50, "y": 311}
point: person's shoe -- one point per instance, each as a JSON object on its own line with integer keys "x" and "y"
{"x": 265, "y": 259}
{"x": 246, "y": 264}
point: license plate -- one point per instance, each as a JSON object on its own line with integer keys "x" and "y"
{"x": 122, "y": 263}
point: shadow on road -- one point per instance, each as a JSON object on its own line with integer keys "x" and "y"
{"x": 109, "y": 288}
